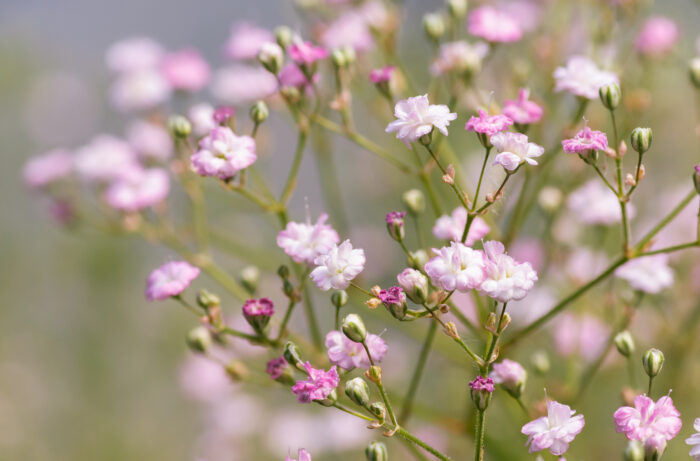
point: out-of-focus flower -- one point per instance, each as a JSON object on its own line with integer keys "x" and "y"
{"x": 416, "y": 117}
{"x": 302, "y": 455}
{"x": 150, "y": 140}
{"x": 223, "y": 154}
{"x": 223, "y": 114}
{"x": 648, "y": 419}
{"x": 105, "y": 158}
{"x": 276, "y": 367}
{"x": 317, "y": 386}
{"x": 456, "y": 267}
{"x": 382, "y": 75}
{"x": 349, "y": 29}
{"x": 694, "y": 441}
{"x": 522, "y": 111}
{"x": 505, "y": 279}
{"x": 43, "y": 170}
{"x": 304, "y": 242}
{"x": 554, "y": 431}
{"x": 239, "y": 84}
{"x": 337, "y": 267}
{"x": 186, "y": 70}
{"x": 511, "y": 375}
{"x": 348, "y": 354}
{"x": 306, "y": 53}
{"x": 649, "y": 274}
{"x": 529, "y": 249}
{"x": 291, "y": 75}
{"x": 204, "y": 379}
{"x": 134, "y": 54}
{"x": 658, "y": 37}
{"x": 514, "y": 149}
{"x": 414, "y": 284}
{"x": 139, "y": 90}
{"x": 584, "y": 335}
{"x": 139, "y": 190}
{"x": 488, "y": 124}
{"x": 584, "y": 141}
{"x": 459, "y": 57}
{"x": 593, "y": 203}
{"x": 582, "y": 77}
{"x": 202, "y": 117}
{"x": 169, "y": 280}
{"x": 526, "y": 13}
{"x": 245, "y": 41}
{"x": 451, "y": 227}
{"x": 493, "y": 25}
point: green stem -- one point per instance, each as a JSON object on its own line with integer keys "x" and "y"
{"x": 292, "y": 179}
{"x": 285, "y": 320}
{"x": 418, "y": 373}
{"x": 481, "y": 177}
{"x": 455, "y": 188}
{"x": 651, "y": 380}
{"x": 652, "y": 233}
{"x": 404, "y": 434}
{"x": 479, "y": 436}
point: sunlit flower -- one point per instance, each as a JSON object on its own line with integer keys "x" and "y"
{"x": 337, "y": 267}
{"x": 139, "y": 90}
{"x": 202, "y": 118}
{"x": 304, "y": 242}
{"x": 514, "y": 149}
{"x": 416, "y": 117}
{"x": 169, "y": 280}
{"x": 554, "y": 431}
{"x": 509, "y": 374}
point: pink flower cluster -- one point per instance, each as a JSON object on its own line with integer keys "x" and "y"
{"x": 450, "y": 227}
{"x": 259, "y": 307}
{"x": 170, "y": 280}
{"x": 348, "y": 354}
{"x": 493, "y": 25}
{"x": 223, "y": 154}
{"x": 523, "y": 111}
{"x": 304, "y": 242}
{"x": 488, "y": 124}
{"x": 651, "y": 423}
{"x": 317, "y": 386}
{"x": 582, "y": 77}
{"x": 555, "y": 431}
{"x": 585, "y": 140}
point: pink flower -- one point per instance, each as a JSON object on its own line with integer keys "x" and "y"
{"x": 522, "y": 111}
{"x": 223, "y": 114}
{"x": 582, "y": 77}
{"x": 382, "y": 75}
{"x": 169, "y": 280}
{"x": 649, "y": 274}
{"x": 584, "y": 335}
{"x": 493, "y": 25}
{"x": 416, "y": 117}
{"x": 514, "y": 149}
{"x": 306, "y": 53}
{"x": 348, "y": 354}
{"x": 276, "y": 367}
{"x": 482, "y": 384}
{"x": 186, "y": 70}
{"x": 291, "y": 75}
{"x": 505, "y": 279}
{"x": 488, "y": 124}
{"x": 139, "y": 90}
{"x": 459, "y": 57}
{"x": 392, "y": 296}
{"x": 349, "y": 29}
{"x": 451, "y": 227}
{"x": 658, "y": 36}
{"x": 202, "y": 118}
{"x": 510, "y": 374}
{"x": 258, "y": 307}
{"x": 105, "y": 158}
{"x": 414, "y": 284}
{"x": 317, "y": 386}
{"x": 584, "y": 141}
{"x": 238, "y": 84}
{"x": 337, "y": 267}
{"x": 304, "y": 242}
{"x": 43, "y": 170}
{"x": 223, "y": 154}
{"x": 554, "y": 431}
{"x": 594, "y": 203}
{"x": 694, "y": 441}
{"x": 456, "y": 267}
{"x": 648, "y": 419}
{"x": 139, "y": 190}
{"x": 134, "y": 54}
{"x": 150, "y": 140}
{"x": 245, "y": 41}
{"x": 303, "y": 456}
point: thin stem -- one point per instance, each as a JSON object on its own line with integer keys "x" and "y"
{"x": 292, "y": 179}
{"x": 652, "y": 233}
{"x": 418, "y": 373}
{"x": 455, "y": 188}
{"x": 403, "y": 433}
{"x": 337, "y": 318}
{"x": 605, "y": 180}
{"x": 481, "y": 177}
{"x": 240, "y": 334}
{"x": 352, "y": 412}
{"x": 479, "y": 436}
{"x": 456, "y": 338}
{"x": 285, "y": 319}
{"x": 672, "y": 249}
{"x": 651, "y": 380}
{"x": 358, "y": 287}
{"x": 188, "y": 306}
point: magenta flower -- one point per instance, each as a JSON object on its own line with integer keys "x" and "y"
{"x": 186, "y": 70}
{"x": 245, "y": 41}
{"x": 554, "y": 431}
{"x": 456, "y": 267}
{"x": 585, "y": 140}
{"x": 262, "y": 307}
{"x": 139, "y": 190}
{"x": 658, "y": 37}
{"x": 514, "y": 149}
{"x": 338, "y": 267}
{"x": 416, "y": 117}
{"x": 304, "y": 242}
{"x": 451, "y": 227}
{"x": 493, "y": 25}
{"x": 303, "y": 456}
{"x": 382, "y": 75}
{"x": 223, "y": 154}
{"x": 43, "y": 170}
{"x": 395, "y": 217}
{"x": 482, "y": 384}
{"x": 317, "y": 386}
{"x": 505, "y": 279}
{"x": 488, "y": 124}
{"x": 348, "y": 354}
{"x": 276, "y": 367}
{"x": 648, "y": 419}
{"x": 306, "y": 53}
{"x": 169, "y": 280}
{"x": 522, "y": 111}
{"x": 394, "y": 295}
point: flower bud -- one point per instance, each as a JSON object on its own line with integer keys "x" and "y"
{"x": 414, "y": 200}
{"x": 695, "y": 72}
{"x": 199, "y": 339}
{"x": 237, "y": 370}
{"x": 250, "y": 276}
{"x": 330, "y": 400}
{"x": 291, "y": 94}
{"x": 540, "y": 362}
{"x": 288, "y": 289}
{"x": 354, "y": 328}
{"x": 610, "y": 95}
{"x": 257, "y": 313}
{"x": 284, "y": 36}
{"x": 376, "y": 451}
{"x": 179, "y": 126}
{"x": 550, "y": 198}
{"x": 207, "y": 300}
{"x": 271, "y": 56}
{"x": 624, "y": 343}
{"x": 279, "y": 370}
{"x": 378, "y": 410}
{"x": 653, "y": 361}
{"x": 394, "y": 300}
{"x": 654, "y": 447}
{"x": 434, "y": 26}
{"x": 511, "y": 376}
{"x": 481, "y": 389}
{"x": 357, "y": 390}
{"x": 641, "y": 139}
{"x": 374, "y": 374}
{"x": 457, "y": 8}
{"x": 338, "y": 58}
{"x": 395, "y": 225}
{"x": 339, "y": 298}
{"x": 418, "y": 259}
{"x": 634, "y": 451}
{"x": 259, "y": 112}
{"x": 292, "y": 355}
{"x": 696, "y": 177}
{"x": 414, "y": 284}
{"x": 283, "y": 271}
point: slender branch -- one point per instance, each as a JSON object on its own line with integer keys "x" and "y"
{"x": 418, "y": 372}
{"x": 292, "y": 179}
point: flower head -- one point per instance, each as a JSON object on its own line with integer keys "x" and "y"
{"x": 582, "y": 77}
{"x": 349, "y": 29}
{"x": 584, "y": 141}
{"x": 694, "y": 441}
{"x": 554, "y": 431}
{"x": 304, "y": 242}
{"x": 648, "y": 419}
{"x": 493, "y": 25}
{"x": 276, "y": 367}
{"x": 186, "y": 70}
{"x": 456, "y": 267}
{"x": 514, "y": 149}
{"x": 223, "y": 154}
{"x": 139, "y": 90}
{"x": 105, "y": 158}
{"x": 134, "y": 54}
{"x": 202, "y": 118}
{"x": 259, "y": 307}
{"x": 239, "y": 83}
{"x": 169, "y": 280}
{"x": 303, "y": 456}
{"x": 337, "y": 267}
{"x": 150, "y": 140}
{"x": 317, "y": 386}
{"x": 509, "y": 374}
{"x": 459, "y": 57}
{"x": 482, "y": 384}
{"x": 658, "y": 37}
{"x": 416, "y": 117}
{"x": 649, "y": 274}
{"x": 522, "y": 111}
{"x": 488, "y": 124}
{"x": 594, "y": 203}
{"x": 584, "y": 335}
{"x": 43, "y": 170}
{"x": 139, "y": 190}
{"x": 382, "y": 75}
{"x": 505, "y": 279}
{"x": 306, "y": 53}
{"x": 348, "y": 354}
{"x": 451, "y": 227}
{"x": 414, "y": 284}
{"x": 245, "y": 41}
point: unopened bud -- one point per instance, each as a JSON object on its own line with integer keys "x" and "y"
{"x": 550, "y": 198}
{"x": 653, "y": 362}
{"x": 634, "y": 451}
{"x": 292, "y": 355}
{"x": 395, "y": 225}
{"x": 330, "y": 400}
{"x": 237, "y": 370}
{"x": 654, "y": 447}
{"x": 271, "y": 56}
{"x": 179, "y": 126}
{"x": 258, "y": 312}
{"x": 641, "y": 139}
{"x": 451, "y": 330}
{"x": 505, "y": 321}
{"x": 622, "y": 149}
{"x": 449, "y": 177}
{"x": 373, "y": 303}
{"x": 199, "y": 339}
{"x": 481, "y": 389}
{"x": 354, "y": 328}
{"x": 376, "y": 451}
{"x": 279, "y": 370}
{"x": 414, "y": 284}
{"x": 283, "y": 271}
{"x": 418, "y": 258}
{"x": 375, "y": 290}
{"x": 339, "y": 298}
{"x": 374, "y": 374}
{"x": 624, "y": 343}
{"x": 457, "y": 8}
{"x": 250, "y": 277}
{"x": 259, "y": 112}
{"x": 284, "y": 36}
{"x": 288, "y": 289}
{"x": 695, "y": 72}
{"x": 642, "y": 172}
{"x": 338, "y": 58}
{"x": 610, "y": 95}
{"x": 357, "y": 390}
{"x": 540, "y": 362}
{"x": 290, "y": 93}
{"x": 414, "y": 200}
{"x": 696, "y": 177}
{"x": 378, "y": 410}
{"x": 434, "y": 26}
{"x": 629, "y": 180}
{"x": 206, "y": 299}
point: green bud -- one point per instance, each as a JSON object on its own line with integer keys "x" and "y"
{"x": 624, "y": 343}
{"x": 290, "y": 93}
{"x": 641, "y": 139}
{"x": 540, "y": 362}
{"x": 434, "y": 26}
{"x": 288, "y": 289}
{"x": 634, "y": 451}
{"x": 357, "y": 390}
{"x": 610, "y": 95}
{"x": 378, "y": 410}
{"x": 271, "y": 56}
{"x": 695, "y": 72}
{"x": 354, "y": 328}
{"x": 395, "y": 225}
{"x": 330, "y": 400}
{"x": 179, "y": 126}
{"x": 374, "y": 374}
{"x": 259, "y": 112}
{"x": 339, "y": 298}
{"x": 199, "y": 339}
{"x": 292, "y": 355}
{"x": 414, "y": 200}
{"x": 457, "y": 8}
{"x": 284, "y": 36}
{"x": 376, "y": 451}
{"x": 283, "y": 271}
{"x": 250, "y": 277}
{"x": 338, "y": 58}
{"x": 653, "y": 362}
{"x": 206, "y": 299}
{"x": 418, "y": 259}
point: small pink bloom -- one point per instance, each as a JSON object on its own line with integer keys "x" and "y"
{"x": 416, "y": 117}
{"x": 306, "y": 53}
{"x": 134, "y": 54}
{"x": 459, "y": 57}
{"x": 584, "y": 141}
{"x": 514, "y": 149}
{"x": 451, "y": 227}
{"x": 139, "y": 190}
{"x": 505, "y": 279}
{"x": 338, "y": 267}
{"x": 554, "y": 431}
{"x": 456, "y": 267}
{"x": 348, "y": 354}
{"x": 594, "y": 203}
{"x": 317, "y": 386}
{"x": 169, "y": 280}
{"x": 291, "y": 75}
{"x": 43, "y": 170}
{"x": 583, "y": 335}
{"x": 304, "y": 242}
{"x": 239, "y": 84}
{"x": 276, "y": 367}
{"x": 649, "y": 274}
{"x": 202, "y": 118}
{"x": 150, "y": 140}
{"x": 382, "y": 75}
{"x": 245, "y": 41}
{"x": 582, "y": 77}
{"x": 522, "y": 111}
{"x": 350, "y": 29}
{"x": 223, "y": 154}
{"x": 223, "y": 114}
{"x": 105, "y": 158}
{"x": 258, "y": 307}
{"x": 139, "y": 90}
{"x": 509, "y": 374}
{"x": 186, "y": 70}
{"x": 303, "y": 456}
{"x": 392, "y": 296}
{"x": 493, "y": 25}
{"x": 488, "y": 124}
{"x": 658, "y": 36}
{"x": 482, "y": 384}
{"x": 648, "y": 419}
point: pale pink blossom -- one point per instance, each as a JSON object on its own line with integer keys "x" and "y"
{"x": 584, "y": 335}
{"x": 522, "y": 111}
{"x": 694, "y": 441}
{"x": 338, "y": 267}
{"x": 150, "y": 140}
{"x": 348, "y": 354}
{"x": 134, "y": 54}
{"x": 306, "y": 53}
{"x": 291, "y": 75}
{"x": 488, "y": 124}
{"x": 554, "y": 431}
{"x": 202, "y": 118}
{"x": 658, "y": 36}
{"x": 203, "y": 379}
{"x": 584, "y": 141}
{"x": 349, "y": 29}
{"x": 245, "y": 41}
{"x": 459, "y": 57}
{"x": 594, "y": 203}
{"x": 451, "y": 227}
{"x": 416, "y": 117}
{"x": 509, "y": 374}
{"x": 302, "y": 455}
{"x": 43, "y": 170}
{"x": 186, "y": 70}
{"x": 529, "y": 249}
{"x": 105, "y": 158}
{"x": 648, "y": 419}
{"x": 514, "y": 149}
{"x": 304, "y": 242}
{"x": 223, "y": 154}
{"x": 413, "y": 283}
{"x": 649, "y": 274}
{"x": 493, "y": 25}
{"x": 139, "y": 190}
{"x": 169, "y": 280}
{"x": 456, "y": 267}
{"x": 527, "y": 13}
{"x": 139, "y": 90}
{"x": 318, "y": 385}
{"x": 377, "y": 14}
{"x": 505, "y": 279}
{"x": 238, "y": 84}
{"x": 382, "y": 75}
{"x": 582, "y": 77}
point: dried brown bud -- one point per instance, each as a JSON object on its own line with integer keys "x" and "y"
{"x": 629, "y": 180}
{"x": 451, "y": 330}
{"x": 375, "y": 290}
{"x": 444, "y": 308}
{"x": 373, "y": 303}
{"x": 642, "y": 172}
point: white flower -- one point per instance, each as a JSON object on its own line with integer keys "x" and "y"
{"x": 456, "y": 267}
{"x": 338, "y": 267}
{"x": 514, "y": 149}
{"x": 139, "y": 90}
{"x": 582, "y": 77}
{"x": 459, "y": 57}
{"x": 451, "y": 227}
{"x": 202, "y": 118}
{"x": 506, "y": 279}
{"x": 649, "y": 274}
{"x": 554, "y": 431}
{"x": 694, "y": 441}
{"x": 417, "y": 117}
{"x": 304, "y": 242}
